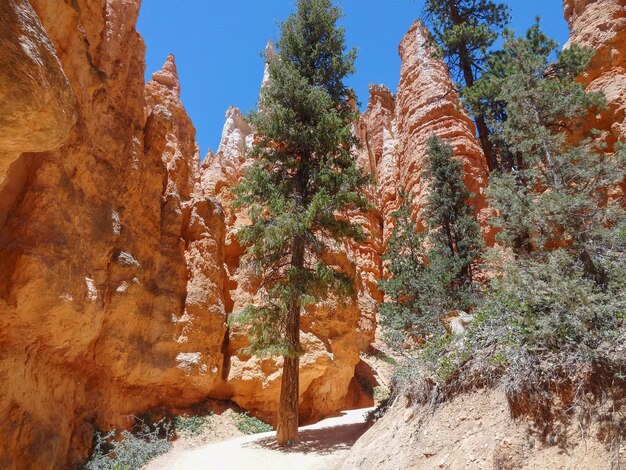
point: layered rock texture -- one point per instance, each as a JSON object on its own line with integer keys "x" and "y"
{"x": 601, "y": 25}
{"x": 111, "y": 253}
{"x": 396, "y": 128}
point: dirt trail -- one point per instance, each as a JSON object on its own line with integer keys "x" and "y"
{"x": 322, "y": 445}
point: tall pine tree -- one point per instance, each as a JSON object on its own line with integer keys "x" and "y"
{"x": 464, "y": 30}
{"x": 299, "y": 189}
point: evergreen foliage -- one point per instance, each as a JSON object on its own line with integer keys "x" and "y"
{"x": 431, "y": 271}
{"x": 130, "y": 450}
{"x": 553, "y": 317}
{"x": 302, "y": 184}
{"x": 463, "y": 31}
{"x": 453, "y": 230}
{"x": 304, "y": 176}
{"x": 557, "y": 190}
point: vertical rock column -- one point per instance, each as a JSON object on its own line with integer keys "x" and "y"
{"x": 427, "y": 105}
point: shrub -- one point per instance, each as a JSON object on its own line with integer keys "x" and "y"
{"x": 125, "y": 450}
{"x": 250, "y": 425}
{"x": 381, "y": 394}
{"x": 192, "y": 425}
{"x": 550, "y": 336}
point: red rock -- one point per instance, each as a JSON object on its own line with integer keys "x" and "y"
{"x": 601, "y": 25}
{"x": 397, "y": 128}
{"x": 111, "y": 253}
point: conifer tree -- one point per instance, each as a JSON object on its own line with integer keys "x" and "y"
{"x": 557, "y": 190}
{"x": 303, "y": 181}
{"x": 453, "y": 230}
{"x": 558, "y": 296}
{"x": 431, "y": 271}
{"x": 464, "y": 30}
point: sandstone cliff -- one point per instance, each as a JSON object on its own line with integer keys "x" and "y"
{"x": 111, "y": 295}
{"x": 601, "y": 25}
{"x": 398, "y": 128}
{"x": 119, "y": 261}
{"x": 332, "y": 334}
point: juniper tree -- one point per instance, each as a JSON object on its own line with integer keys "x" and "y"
{"x": 431, "y": 271}
{"x": 299, "y": 188}
{"x": 557, "y": 190}
{"x": 464, "y": 30}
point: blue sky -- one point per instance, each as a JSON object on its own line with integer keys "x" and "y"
{"x": 218, "y": 43}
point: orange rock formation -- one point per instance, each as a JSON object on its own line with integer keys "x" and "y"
{"x": 397, "y": 128}
{"x": 601, "y": 25}
{"x": 111, "y": 255}
{"x": 333, "y": 334}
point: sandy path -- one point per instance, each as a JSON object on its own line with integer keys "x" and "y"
{"x": 322, "y": 444}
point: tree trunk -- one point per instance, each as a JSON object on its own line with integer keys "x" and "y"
{"x": 287, "y": 428}
{"x": 287, "y": 425}
{"x": 465, "y": 63}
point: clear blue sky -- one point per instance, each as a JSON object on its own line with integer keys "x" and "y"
{"x": 217, "y": 45}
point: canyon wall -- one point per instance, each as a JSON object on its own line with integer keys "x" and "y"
{"x": 111, "y": 254}
{"x": 118, "y": 268}
{"x": 119, "y": 262}
{"x": 601, "y": 25}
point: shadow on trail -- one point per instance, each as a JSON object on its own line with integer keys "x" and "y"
{"x": 320, "y": 441}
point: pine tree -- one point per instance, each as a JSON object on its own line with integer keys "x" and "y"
{"x": 558, "y": 295}
{"x": 408, "y": 313}
{"x": 464, "y": 30}
{"x": 453, "y": 230}
{"x": 431, "y": 271}
{"x": 301, "y": 185}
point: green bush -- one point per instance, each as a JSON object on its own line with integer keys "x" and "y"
{"x": 381, "y": 394}
{"x": 192, "y": 425}
{"x": 546, "y": 333}
{"x": 250, "y": 425}
{"x": 125, "y": 450}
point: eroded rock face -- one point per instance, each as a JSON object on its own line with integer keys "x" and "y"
{"x": 332, "y": 334}
{"x": 601, "y": 25}
{"x": 118, "y": 265}
{"x": 427, "y": 105}
{"x": 397, "y": 128}
{"x": 111, "y": 256}
{"x": 38, "y": 107}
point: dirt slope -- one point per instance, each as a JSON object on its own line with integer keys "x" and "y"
{"x": 473, "y": 431}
